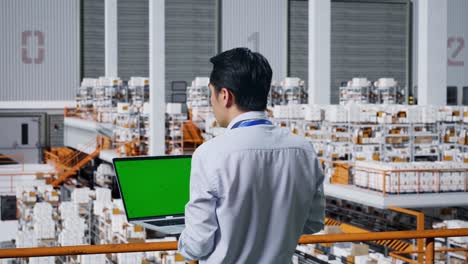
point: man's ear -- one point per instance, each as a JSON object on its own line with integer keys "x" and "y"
{"x": 227, "y": 97}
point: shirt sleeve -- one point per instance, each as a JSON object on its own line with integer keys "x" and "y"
{"x": 316, "y": 218}
{"x": 197, "y": 239}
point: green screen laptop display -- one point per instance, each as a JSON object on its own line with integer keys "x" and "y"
{"x": 154, "y": 186}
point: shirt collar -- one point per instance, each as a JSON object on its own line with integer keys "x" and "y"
{"x": 246, "y": 116}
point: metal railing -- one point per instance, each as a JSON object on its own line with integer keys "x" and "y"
{"x": 6, "y": 159}
{"x": 19, "y": 159}
{"x": 428, "y": 235}
{"x": 419, "y": 226}
{"x": 16, "y": 170}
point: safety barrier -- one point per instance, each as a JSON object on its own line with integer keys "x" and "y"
{"x": 17, "y": 169}
{"x": 428, "y": 235}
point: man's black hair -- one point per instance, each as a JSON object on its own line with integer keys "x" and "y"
{"x": 246, "y": 74}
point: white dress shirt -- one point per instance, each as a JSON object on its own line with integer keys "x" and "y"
{"x": 253, "y": 191}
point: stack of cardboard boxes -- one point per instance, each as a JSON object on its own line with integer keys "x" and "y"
{"x": 412, "y": 177}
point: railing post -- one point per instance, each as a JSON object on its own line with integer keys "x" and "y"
{"x": 430, "y": 250}
{"x": 420, "y": 242}
{"x": 384, "y": 187}
{"x": 419, "y": 227}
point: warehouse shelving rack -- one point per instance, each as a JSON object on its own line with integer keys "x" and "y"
{"x": 390, "y": 95}
{"x": 460, "y": 255}
{"x": 449, "y": 132}
{"x": 339, "y": 149}
{"x": 85, "y": 211}
{"x": 106, "y": 182}
{"x": 175, "y": 133}
{"x": 396, "y": 142}
{"x": 357, "y": 94}
{"x": 377, "y": 199}
{"x": 315, "y": 133}
{"x": 425, "y": 136}
{"x": 366, "y": 137}
{"x": 144, "y": 132}
{"x": 127, "y": 133}
{"x": 340, "y": 137}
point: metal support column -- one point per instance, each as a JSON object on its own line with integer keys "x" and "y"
{"x": 110, "y": 38}
{"x": 319, "y": 51}
{"x": 157, "y": 76}
{"x": 432, "y": 52}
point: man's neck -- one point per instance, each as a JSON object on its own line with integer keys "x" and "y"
{"x": 235, "y": 113}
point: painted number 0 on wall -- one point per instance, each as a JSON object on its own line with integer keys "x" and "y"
{"x": 28, "y": 36}
{"x": 455, "y": 47}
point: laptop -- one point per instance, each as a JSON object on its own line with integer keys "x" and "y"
{"x": 155, "y": 190}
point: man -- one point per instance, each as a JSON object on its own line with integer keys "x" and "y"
{"x": 255, "y": 189}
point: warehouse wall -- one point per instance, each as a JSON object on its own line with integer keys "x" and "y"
{"x": 190, "y": 40}
{"x": 457, "y": 47}
{"x": 92, "y": 38}
{"x": 415, "y": 41}
{"x": 457, "y": 53}
{"x": 9, "y": 229}
{"x": 55, "y": 128}
{"x": 368, "y": 39}
{"x": 133, "y": 38}
{"x": 259, "y": 25}
{"x": 39, "y": 49}
{"x": 23, "y": 134}
{"x": 298, "y": 49}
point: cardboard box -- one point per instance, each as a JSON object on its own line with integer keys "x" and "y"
{"x": 423, "y": 140}
{"x": 361, "y": 259}
{"x": 457, "y": 261}
{"x": 341, "y": 174}
{"x": 359, "y": 249}
{"x": 39, "y": 175}
{"x": 330, "y": 230}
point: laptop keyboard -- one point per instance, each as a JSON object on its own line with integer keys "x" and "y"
{"x": 167, "y": 222}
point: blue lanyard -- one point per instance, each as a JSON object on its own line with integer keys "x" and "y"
{"x": 251, "y": 122}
